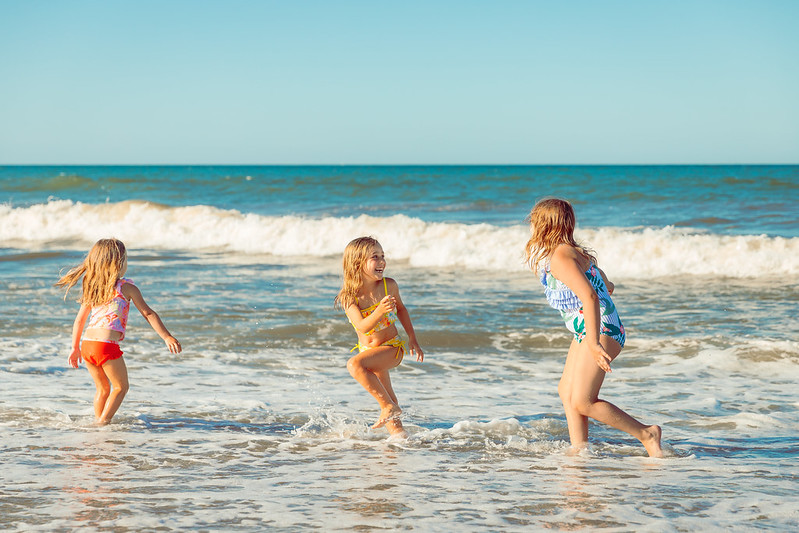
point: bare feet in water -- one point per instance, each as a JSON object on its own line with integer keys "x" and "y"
{"x": 576, "y": 449}
{"x": 651, "y": 441}
{"x": 395, "y": 429}
{"x": 386, "y": 414}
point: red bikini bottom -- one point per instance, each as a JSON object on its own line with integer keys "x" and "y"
{"x": 99, "y": 353}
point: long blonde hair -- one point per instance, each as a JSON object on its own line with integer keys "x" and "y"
{"x": 552, "y": 223}
{"x": 100, "y": 270}
{"x": 355, "y": 255}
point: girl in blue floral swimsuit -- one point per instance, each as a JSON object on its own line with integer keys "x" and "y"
{"x": 560, "y": 297}
{"x": 577, "y": 287}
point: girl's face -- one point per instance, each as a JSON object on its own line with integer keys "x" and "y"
{"x": 124, "y": 267}
{"x": 375, "y": 264}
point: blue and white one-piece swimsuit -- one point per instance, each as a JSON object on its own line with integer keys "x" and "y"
{"x": 562, "y": 298}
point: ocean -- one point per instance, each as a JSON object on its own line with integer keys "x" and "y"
{"x": 258, "y": 426}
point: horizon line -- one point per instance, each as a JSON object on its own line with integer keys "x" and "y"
{"x": 398, "y": 164}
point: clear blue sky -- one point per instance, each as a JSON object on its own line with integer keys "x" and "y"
{"x": 410, "y": 82}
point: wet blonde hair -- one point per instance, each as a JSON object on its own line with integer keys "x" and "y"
{"x": 552, "y": 223}
{"x": 100, "y": 270}
{"x": 356, "y": 254}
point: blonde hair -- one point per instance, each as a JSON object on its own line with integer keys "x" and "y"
{"x": 355, "y": 255}
{"x": 100, "y": 270}
{"x": 552, "y": 223}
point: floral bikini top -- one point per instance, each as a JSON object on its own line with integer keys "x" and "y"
{"x": 114, "y": 314}
{"x": 385, "y": 321}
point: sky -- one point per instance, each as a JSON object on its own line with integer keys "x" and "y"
{"x": 411, "y": 82}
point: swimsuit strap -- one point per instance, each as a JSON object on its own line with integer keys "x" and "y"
{"x": 385, "y": 288}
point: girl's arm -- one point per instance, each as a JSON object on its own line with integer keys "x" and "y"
{"x": 131, "y": 291}
{"x": 77, "y": 331}
{"x": 567, "y": 266}
{"x": 364, "y": 324}
{"x": 405, "y": 319}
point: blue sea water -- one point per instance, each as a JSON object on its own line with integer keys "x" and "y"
{"x": 722, "y": 199}
{"x": 257, "y": 425}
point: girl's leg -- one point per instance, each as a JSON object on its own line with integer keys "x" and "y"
{"x": 578, "y": 423}
{"x": 394, "y": 425}
{"x": 385, "y": 380}
{"x": 587, "y": 379}
{"x": 364, "y": 367}
{"x": 117, "y": 373}
{"x": 102, "y": 385}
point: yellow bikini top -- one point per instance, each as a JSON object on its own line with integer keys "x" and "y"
{"x": 387, "y": 319}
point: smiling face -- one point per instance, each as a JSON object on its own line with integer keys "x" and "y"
{"x": 375, "y": 264}
{"x": 363, "y": 263}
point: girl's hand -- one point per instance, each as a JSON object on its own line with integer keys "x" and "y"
{"x": 75, "y": 358}
{"x": 386, "y": 305}
{"x": 601, "y": 357}
{"x": 415, "y": 349}
{"x": 173, "y": 344}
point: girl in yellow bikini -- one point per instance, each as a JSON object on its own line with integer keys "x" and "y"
{"x": 373, "y": 304}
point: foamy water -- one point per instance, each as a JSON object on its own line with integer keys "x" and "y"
{"x": 258, "y": 425}
{"x": 252, "y": 442}
{"x": 637, "y": 253}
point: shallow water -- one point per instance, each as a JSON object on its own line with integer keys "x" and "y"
{"x": 258, "y": 425}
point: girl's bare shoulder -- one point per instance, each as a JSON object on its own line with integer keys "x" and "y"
{"x": 566, "y": 255}
{"x": 565, "y": 252}
{"x": 391, "y": 284}
{"x": 129, "y": 289}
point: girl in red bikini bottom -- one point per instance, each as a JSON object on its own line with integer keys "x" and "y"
{"x": 105, "y": 302}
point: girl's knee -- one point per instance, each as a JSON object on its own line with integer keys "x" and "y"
{"x": 569, "y": 404}
{"x": 583, "y": 405}
{"x": 354, "y": 366}
{"x": 121, "y": 387}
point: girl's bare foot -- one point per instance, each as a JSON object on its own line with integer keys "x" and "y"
{"x": 651, "y": 441}
{"x": 386, "y": 414}
{"x": 395, "y": 429}
{"x": 576, "y": 449}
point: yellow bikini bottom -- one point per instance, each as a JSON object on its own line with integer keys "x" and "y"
{"x": 394, "y": 341}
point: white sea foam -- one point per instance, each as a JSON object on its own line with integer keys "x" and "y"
{"x": 635, "y": 253}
